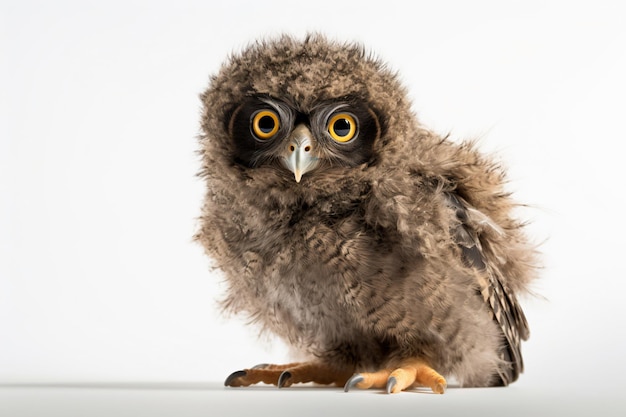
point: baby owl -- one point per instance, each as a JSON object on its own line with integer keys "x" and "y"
{"x": 385, "y": 254}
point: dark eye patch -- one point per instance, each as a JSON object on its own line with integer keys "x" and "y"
{"x": 249, "y": 148}
{"x": 357, "y": 150}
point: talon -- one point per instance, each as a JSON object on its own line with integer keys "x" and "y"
{"x": 391, "y": 383}
{"x": 282, "y": 379}
{"x": 354, "y": 379}
{"x": 233, "y": 376}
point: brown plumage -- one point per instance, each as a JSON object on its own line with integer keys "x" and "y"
{"x": 384, "y": 252}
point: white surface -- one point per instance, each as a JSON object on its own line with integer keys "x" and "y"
{"x": 99, "y": 109}
{"x": 212, "y": 400}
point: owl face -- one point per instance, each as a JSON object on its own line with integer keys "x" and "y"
{"x": 289, "y": 112}
{"x": 268, "y": 131}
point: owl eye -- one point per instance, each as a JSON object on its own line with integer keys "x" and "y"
{"x": 342, "y": 127}
{"x": 265, "y": 124}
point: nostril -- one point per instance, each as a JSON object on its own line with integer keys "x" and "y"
{"x": 307, "y": 149}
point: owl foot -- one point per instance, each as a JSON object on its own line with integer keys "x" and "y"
{"x": 409, "y": 374}
{"x": 287, "y": 375}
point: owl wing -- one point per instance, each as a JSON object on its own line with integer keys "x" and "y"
{"x": 501, "y": 300}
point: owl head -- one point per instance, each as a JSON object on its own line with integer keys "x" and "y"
{"x": 303, "y": 113}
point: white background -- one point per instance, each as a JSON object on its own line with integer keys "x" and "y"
{"x": 99, "y": 112}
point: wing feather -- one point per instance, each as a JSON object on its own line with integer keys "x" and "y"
{"x": 499, "y": 297}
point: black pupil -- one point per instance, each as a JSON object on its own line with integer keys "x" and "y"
{"x": 266, "y": 124}
{"x": 342, "y": 127}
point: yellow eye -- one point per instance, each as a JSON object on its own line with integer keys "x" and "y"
{"x": 265, "y": 124}
{"x": 342, "y": 127}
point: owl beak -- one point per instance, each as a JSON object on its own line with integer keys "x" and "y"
{"x": 299, "y": 156}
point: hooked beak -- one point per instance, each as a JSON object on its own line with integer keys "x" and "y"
{"x": 299, "y": 157}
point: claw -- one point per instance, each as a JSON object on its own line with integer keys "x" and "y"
{"x": 282, "y": 379}
{"x": 354, "y": 379}
{"x": 391, "y": 383}
{"x": 233, "y": 376}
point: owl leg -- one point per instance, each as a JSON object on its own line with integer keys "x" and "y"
{"x": 410, "y": 373}
{"x": 287, "y": 375}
